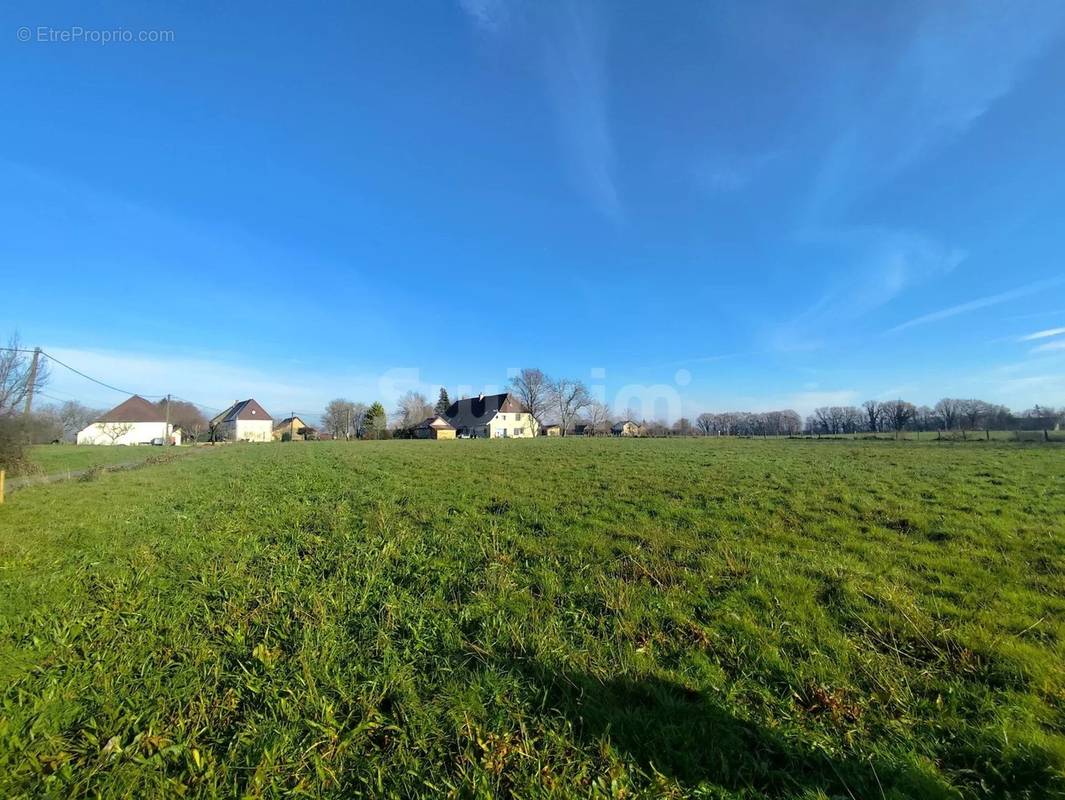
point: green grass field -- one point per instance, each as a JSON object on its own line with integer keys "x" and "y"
{"x": 556, "y": 618}
{"x": 52, "y": 459}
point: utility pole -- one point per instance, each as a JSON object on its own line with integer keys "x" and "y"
{"x": 166, "y": 430}
{"x": 32, "y": 381}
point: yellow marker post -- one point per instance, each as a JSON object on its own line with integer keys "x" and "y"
{"x": 3, "y": 474}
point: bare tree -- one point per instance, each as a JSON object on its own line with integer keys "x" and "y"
{"x": 655, "y": 428}
{"x": 73, "y": 417}
{"x": 948, "y": 410}
{"x": 186, "y": 416}
{"x": 682, "y": 427}
{"x": 597, "y": 417}
{"x": 790, "y": 422}
{"x": 413, "y": 407}
{"x": 568, "y": 398}
{"x": 533, "y": 389}
{"x": 706, "y": 423}
{"x": 972, "y": 412}
{"x": 874, "y": 412}
{"x": 343, "y": 418}
{"x": 15, "y": 372}
{"x": 898, "y": 414}
{"x": 114, "y": 431}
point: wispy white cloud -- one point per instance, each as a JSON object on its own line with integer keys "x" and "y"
{"x": 886, "y": 263}
{"x": 489, "y": 15}
{"x": 569, "y": 40}
{"x": 1031, "y": 337}
{"x": 1049, "y": 347}
{"x": 904, "y": 101}
{"x": 979, "y": 303}
{"x": 930, "y": 90}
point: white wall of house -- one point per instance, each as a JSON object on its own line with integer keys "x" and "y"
{"x": 254, "y": 430}
{"x": 124, "y": 433}
{"x": 513, "y": 425}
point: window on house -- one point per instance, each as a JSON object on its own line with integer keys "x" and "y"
{"x": 517, "y": 417}
{"x": 519, "y": 431}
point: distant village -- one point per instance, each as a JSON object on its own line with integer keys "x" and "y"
{"x": 507, "y": 416}
{"x": 534, "y": 405}
{"x": 496, "y": 416}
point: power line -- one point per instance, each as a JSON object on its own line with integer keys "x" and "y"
{"x": 96, "y": 381}
{"x": 53, "y": 397}
{"x": 126, "y": 391}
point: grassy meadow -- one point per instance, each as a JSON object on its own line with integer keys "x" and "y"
{"x": 551, "y": 618}
{"x": 53, "y": 459}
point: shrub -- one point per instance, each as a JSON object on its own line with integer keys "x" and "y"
{"x": 13, "y": 455}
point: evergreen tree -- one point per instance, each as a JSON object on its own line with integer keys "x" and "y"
{"x": 376, "y": 421}
{"x": 442, "y": 403}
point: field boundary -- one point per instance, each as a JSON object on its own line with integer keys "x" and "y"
{"x": 88, "y": 473}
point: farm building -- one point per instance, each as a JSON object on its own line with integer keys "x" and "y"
{"x": 551, "y": 429}
{"x": 435, "y": 427}
{"x": 493, "y": 416}
{"x": 294, "y": 429}
{"x": 135, "y": 421}
{"x": 244, "y": 421}
{"x": 625, "y": 427}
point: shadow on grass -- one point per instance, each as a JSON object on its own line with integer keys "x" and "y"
{"x": 686, "y": 736}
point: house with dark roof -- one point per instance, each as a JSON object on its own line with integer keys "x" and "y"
{"x": 134, "y": 421}
{"x": 244, "y": 421}
{"x": 492, "y": 416}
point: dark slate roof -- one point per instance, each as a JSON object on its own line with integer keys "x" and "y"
{"x": 243, "y": 409}
{"x": 136, "y": 409}
{"x": 472, "y": 412}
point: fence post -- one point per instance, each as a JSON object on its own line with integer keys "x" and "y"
{"x": 3, "y": 474}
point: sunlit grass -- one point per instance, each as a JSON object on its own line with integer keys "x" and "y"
{"x": 550, "y": 618}
{"x": 51, "y": 459}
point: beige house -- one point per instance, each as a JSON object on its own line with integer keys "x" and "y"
{"x": 435, "y": 427}
{"x": 293, "y": 429}
{"x": 625, "y": 427}
{"x": 135, "y": 421}
{"x": 244, "y": 421}
{"x": 495, "y": 416}
{"x": 551, "y": 429}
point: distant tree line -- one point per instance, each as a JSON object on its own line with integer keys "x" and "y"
{"x": 949, "y": 414}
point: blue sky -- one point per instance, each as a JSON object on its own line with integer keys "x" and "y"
{"x": 746, "y": 205}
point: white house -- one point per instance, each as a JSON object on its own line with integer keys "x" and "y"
{"x": 136, "y": 421}
{"x": 492, "y": 416}
{"x": 244, "y": 421}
